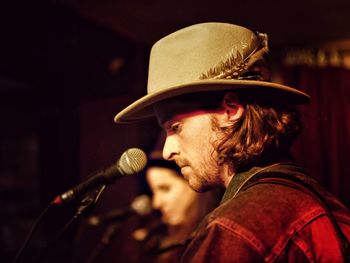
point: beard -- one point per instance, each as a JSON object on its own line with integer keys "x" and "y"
{"x": 202, "y": 180}
{"x": 207, "y": 174}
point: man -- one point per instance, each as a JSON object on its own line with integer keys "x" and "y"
{"x": 227, "y": 126}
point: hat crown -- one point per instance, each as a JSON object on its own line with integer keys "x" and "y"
{"x": 208, "y": 57}
{"x": 201, "y": 51}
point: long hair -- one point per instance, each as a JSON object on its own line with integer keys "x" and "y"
{"x": 265, "y": 130}
{"x": 262, "y": 133}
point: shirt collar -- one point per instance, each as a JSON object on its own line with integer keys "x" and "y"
{"x": 239, "y": 179}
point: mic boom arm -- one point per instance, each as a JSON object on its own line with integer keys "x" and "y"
{"x": 132, "y": 161}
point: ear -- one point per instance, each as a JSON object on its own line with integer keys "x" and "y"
{"x": 233, "y": 108}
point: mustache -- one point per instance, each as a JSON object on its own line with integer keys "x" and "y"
{"x": 182, "y": 162}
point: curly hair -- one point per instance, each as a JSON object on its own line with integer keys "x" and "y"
{"x": 261, "y": 133}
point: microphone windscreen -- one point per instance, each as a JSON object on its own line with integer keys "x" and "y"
{"x": 142, "y": 205}
{"x": 132, "y": 161}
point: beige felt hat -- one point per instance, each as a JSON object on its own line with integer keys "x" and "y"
{"x": 207, "y": 57}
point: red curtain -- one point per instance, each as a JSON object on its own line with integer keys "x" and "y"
{"x": 324, "y": 147}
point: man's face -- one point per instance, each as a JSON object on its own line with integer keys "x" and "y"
{"x": 190, "y": 143}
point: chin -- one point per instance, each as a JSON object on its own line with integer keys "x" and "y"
{"x": 200, "y": 188}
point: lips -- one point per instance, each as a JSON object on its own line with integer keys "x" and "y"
{"x": 185, "y": 171}
{"x": 183, "y": 168}
{"x": 165, "y": 215}
{"x": 181, "y": 164}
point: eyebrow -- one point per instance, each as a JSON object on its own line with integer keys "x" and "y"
{"x": 162, "y": 122}
{"x": 181, "y": 116}
{"x": 162, "y": 116}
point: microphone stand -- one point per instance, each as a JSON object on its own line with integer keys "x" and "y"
{"x": 87, "y": 203}
{"x": 30, "y": 235}
{"x": 108, "y": 234}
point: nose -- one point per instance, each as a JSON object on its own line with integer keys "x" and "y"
{"x": 170, "y": 148}
{"x": 156, "y": 202}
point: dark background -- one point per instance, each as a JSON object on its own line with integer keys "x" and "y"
{"x": 67, "y": 67}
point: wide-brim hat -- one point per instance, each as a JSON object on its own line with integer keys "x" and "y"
{"x": 208, "y": 57}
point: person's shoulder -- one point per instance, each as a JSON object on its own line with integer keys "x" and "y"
{"x": 266, "y": 216}
{"x": 267, "y": 209}
{"x": 266, "y": 198}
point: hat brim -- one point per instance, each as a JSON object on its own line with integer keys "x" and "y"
{"x": 143, "y": 107}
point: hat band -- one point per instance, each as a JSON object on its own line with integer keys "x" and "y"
{"x": 235, "y": 66}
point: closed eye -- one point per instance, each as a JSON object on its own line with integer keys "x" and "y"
{"x": 174, "y": 128}
{"x": 164, "y": 188}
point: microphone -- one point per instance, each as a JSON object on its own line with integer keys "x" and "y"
{"x": 141, "y": 205}
{"x": 132, "y": 161}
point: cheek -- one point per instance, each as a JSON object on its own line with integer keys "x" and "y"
{"x": 175, "y": 197}
{"x": 172, "y": 198}
{"x": 185, "y": 198}
{"x": 161, "y": 199}
{"x": 205, "y": 146}
{"x": 198, "y": 141}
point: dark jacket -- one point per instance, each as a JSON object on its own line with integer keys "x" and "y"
{"x": 267, "y": 222}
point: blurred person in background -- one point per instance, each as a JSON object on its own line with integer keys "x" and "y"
{"x": 159, "y": 233}
{"x": 181, "y": 209}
